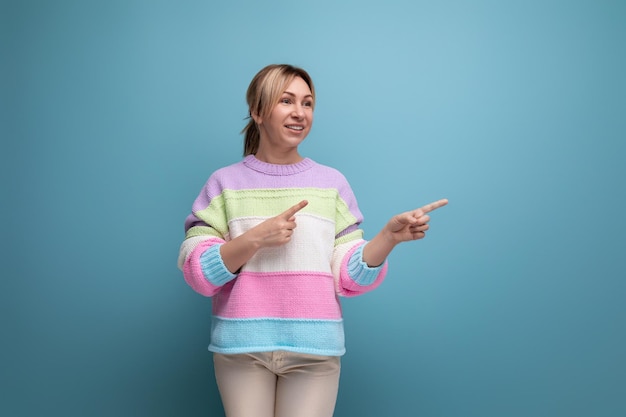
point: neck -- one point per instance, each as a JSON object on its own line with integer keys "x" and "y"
{"x": 279, "y": 158}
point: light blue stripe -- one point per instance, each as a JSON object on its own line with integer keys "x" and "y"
{"x": 316, "y": 337}
{"x": 213, "y": 267}
{"x": 359, "y": 271}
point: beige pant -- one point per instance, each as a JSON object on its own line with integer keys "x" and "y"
{"x": 277, "y": 384}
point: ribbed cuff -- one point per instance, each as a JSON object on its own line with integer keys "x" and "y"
{"x": 213, "y": 267}
{"x": 359, "y": 271}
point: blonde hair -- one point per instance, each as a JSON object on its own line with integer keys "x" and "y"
{"x": 263, "y": 94}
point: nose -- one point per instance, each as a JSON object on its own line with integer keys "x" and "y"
{"x": 298, "y": 111}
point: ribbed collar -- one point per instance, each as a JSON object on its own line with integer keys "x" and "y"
{"x": 275, "y": 169}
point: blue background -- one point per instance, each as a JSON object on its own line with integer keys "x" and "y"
{"x": 114, "y": 113}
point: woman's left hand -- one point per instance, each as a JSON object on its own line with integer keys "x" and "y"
{"x": 412, "y": 225}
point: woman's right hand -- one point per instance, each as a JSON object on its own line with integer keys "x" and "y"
{"x": 276, "y": 231}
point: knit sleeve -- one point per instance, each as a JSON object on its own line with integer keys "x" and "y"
{"x": 352, "y": 275}
{"x": 205, "y": 231}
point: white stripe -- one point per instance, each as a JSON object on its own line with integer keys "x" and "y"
{"x": 310, "y": 248}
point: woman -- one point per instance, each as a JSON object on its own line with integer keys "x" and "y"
{"x": 275, "y": 239}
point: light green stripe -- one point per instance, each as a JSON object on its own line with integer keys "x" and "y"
{"x": 215, "y": 215}
{"x": 344, "y": 216}
{"x": 356, "y": 235}
{"x": 270, "y": 202}
{"x": 202, "y": 231}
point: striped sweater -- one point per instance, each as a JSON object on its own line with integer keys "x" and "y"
{"x": 285, "y": 297}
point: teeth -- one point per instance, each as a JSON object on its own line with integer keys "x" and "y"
{"x": 295, "y": 127}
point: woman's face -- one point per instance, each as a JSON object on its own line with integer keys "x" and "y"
{"x": 290, "y": 120}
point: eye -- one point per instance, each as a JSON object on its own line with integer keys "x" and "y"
{"x": 285, "y": 100}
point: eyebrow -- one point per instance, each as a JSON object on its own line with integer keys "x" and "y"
{"x": 293, "y": 95}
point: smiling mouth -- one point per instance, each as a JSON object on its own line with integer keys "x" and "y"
{"x": 293, "y": 127}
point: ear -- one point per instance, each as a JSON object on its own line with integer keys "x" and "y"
{"x": 257, "y": 119}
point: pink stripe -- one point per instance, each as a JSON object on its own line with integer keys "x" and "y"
{"x": 347, "y": 286}
{"x": 192, "y": 271}
{"x": 296, "y": 295}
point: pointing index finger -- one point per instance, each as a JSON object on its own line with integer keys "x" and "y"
{"x": 291, "y": 211}
{"x": 434, "y": 205}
